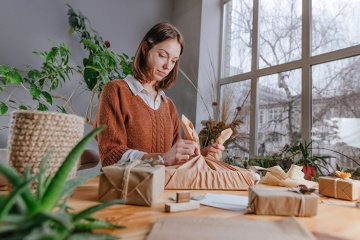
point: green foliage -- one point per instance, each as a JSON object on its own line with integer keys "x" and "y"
{"x": 38, "y": 82}
{"x": 299, "y": 153}
{"x": 303, "y": 151}
{"x": 100, "y": 66}
{"x": 44, "y": 214}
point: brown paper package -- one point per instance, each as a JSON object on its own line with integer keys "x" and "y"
{"x": 339, "y": 188}
{"x": 144, "y": 185}
{"x": 179, "y": 228}
{"x": 203, "y": 173}
{"x": 281, "y": 201}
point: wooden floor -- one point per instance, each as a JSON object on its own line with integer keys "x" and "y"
{"x": 332, "y": 222}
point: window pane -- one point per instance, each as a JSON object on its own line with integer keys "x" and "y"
{"x": 280, "y": 32}
{"x": 279, "y": 111}
{"x": 335, "y": 25}
{"x": 235, "y": 100}
{"x": 336, "y": 109}
{"x": 237, "y": 37}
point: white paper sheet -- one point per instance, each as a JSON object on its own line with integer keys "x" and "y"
{"x": 225, "y": 201}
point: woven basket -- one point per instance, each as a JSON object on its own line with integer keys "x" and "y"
{"x": 34, "y": 133}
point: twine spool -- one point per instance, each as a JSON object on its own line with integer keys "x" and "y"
{"x": 34, "y": 133}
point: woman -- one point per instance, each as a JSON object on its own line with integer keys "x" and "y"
{"x": 141, "y": 122}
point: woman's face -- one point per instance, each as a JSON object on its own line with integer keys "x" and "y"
{"x": 162, "y": 58}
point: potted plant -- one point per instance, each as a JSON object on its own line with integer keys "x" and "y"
{"x": 45, "y": 214}
{"x": 312, "y": 164}
{"x": 100, "y": 66}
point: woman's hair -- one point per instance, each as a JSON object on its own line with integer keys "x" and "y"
{"x": 158, "y": 33}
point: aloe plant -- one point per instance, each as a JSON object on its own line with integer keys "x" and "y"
{"x": 45, "y": 214}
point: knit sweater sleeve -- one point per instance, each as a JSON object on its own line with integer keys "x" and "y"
{"x": 112, "y": 141}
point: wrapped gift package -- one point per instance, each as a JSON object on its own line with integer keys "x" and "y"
{"x": 195, "y": 228}
{"x": 346, "y": 189}
{"x": 135, "y": 183}
{"x": 205, "y": 173}
{"x": 283, "y": 202}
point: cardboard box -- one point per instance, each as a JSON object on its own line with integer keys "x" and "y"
{"x": 283, "y": 202}
{"x": 346, "y": 189}
{"x": 137, "y": 184}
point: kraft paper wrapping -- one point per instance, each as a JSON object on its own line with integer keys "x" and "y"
{"x": 276, "y": 176}
{"x": 346, "y": 189}
{"x": 203, "y": 173}
{"x": 283, "y": 202}
{"x": 189, "y": 228}
{"x": 137, "y": 184}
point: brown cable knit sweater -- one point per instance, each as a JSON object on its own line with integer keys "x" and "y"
{"x": 132, "y": 124}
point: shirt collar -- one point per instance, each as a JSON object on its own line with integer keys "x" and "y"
{"x": 136, "y": 87}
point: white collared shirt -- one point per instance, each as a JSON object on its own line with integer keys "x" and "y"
{"x": 137, "y": 89}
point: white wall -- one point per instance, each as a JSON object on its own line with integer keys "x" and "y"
{"x": 199, "y": 21}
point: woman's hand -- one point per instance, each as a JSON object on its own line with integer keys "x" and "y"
{"x": 181, "y": 152}
{"x": 213, "y": 151}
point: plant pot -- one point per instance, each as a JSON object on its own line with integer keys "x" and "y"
{"x": 34, "y": 133}
{"x": 309, "y": 171}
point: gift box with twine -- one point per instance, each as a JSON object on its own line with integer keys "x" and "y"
{"x": 283, "y": 202}
{"x": 346, "y": 189}
{"x": 136, "y": 183}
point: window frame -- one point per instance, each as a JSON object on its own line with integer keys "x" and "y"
{"x": 304, "y": 64}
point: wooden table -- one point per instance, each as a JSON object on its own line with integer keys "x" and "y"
{"x": 332, "y": 222}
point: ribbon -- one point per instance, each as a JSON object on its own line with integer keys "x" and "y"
{"x": 125, "y": 180}
{"x": 302, "y": 204}
{"x": 302, "y": 208}
{"x": 335, "y": 183}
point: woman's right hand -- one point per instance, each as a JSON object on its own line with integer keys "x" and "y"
{"x": 181, "y": 152}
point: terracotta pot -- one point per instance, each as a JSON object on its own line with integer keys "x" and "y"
{"x": 309, "y": 171}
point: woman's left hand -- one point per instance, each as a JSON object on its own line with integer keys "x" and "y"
{"x": 213, "y": 151}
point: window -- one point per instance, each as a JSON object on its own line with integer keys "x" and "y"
{"x": 235, "y": 100}
{"x": 302, "y": 61}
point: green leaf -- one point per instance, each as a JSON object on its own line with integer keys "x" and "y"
{"x": 54, "y": 83}
{"x": 62, "y": 75}
{"x": 3, "y": 108}
{"x": 61, "y": 108}
{"x": 73, "y": 22}
{"x": 90, "y": 77}
{"x": 42, "y": 107}
{"x": 13, "y": 77}
{"x": 8, "y": 203}
{"x": 71, "y": 31}
{"x": 85, "y": 62}
{"x": 53, "y": 191}
{"x": 40, "y": 177}
{"x": 34, "y": 74}
{"x": 71, "y": 184}
{"x": 48, "y": 97}
{"x": 91, "y": 236}
{"x": 13, "y": 176}
{"x": 87, "y": 212}
{"x": 62, "y": 218}
{"x": 34, "y": 90}
{"x": 90, "y": 44}
{"x": 52, "y": 54}
{"x": 42, "y": 55}
{"x": 22, "y": 107}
